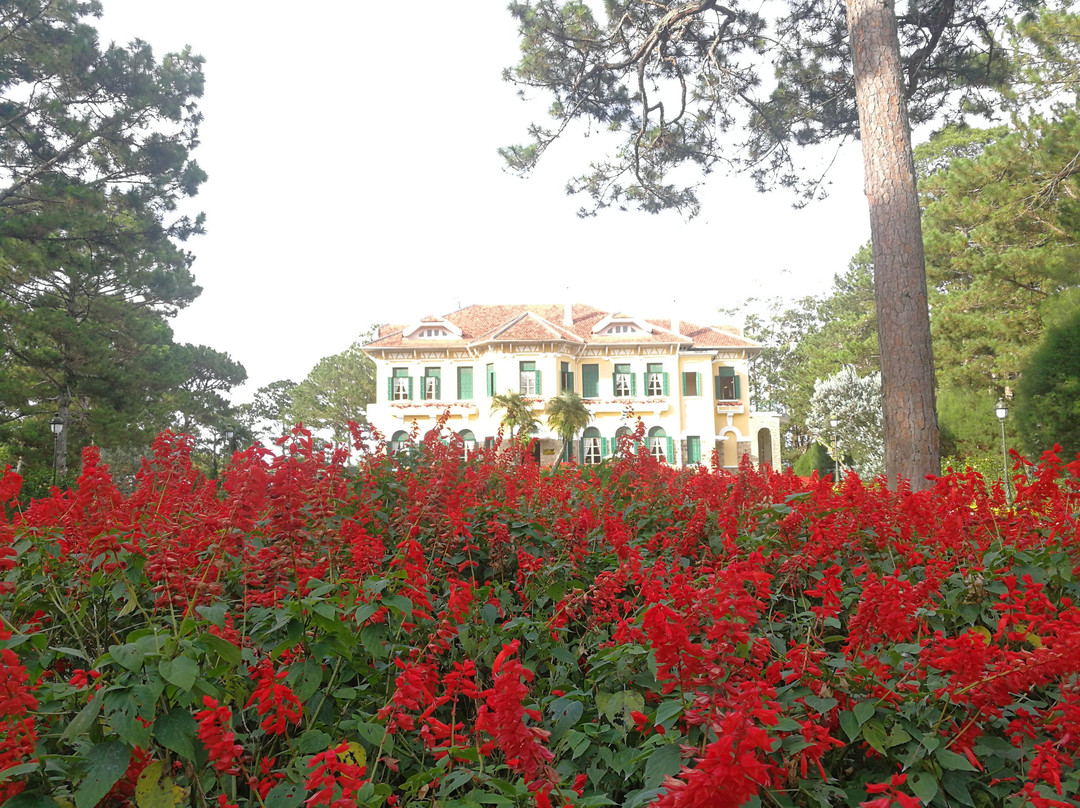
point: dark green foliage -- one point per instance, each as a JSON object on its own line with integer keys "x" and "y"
{"x": 94, "y": 156}
{"x": 690, "y": 83}
{"x": 815, "y": 458}
{"x": 337, "y": 390}
{"x": 1048, "y": 395}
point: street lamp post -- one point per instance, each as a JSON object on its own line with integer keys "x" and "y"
{"x": 835, "y": 422}
{"x": 1001, "y": 410}
{"x": 56, "y": 426}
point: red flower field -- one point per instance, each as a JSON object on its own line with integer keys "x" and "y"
{"x": 420, "y": 630}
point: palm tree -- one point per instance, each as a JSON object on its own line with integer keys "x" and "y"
{"x": 567, "y": 415}
{"x": 517, "y": 412}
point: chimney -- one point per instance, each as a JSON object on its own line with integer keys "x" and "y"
{"x": 568, "y": 315}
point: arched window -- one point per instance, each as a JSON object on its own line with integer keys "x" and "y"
{"x": 620, "y": 433}
{"x": 660, "y": 444}
{"x": 591, "y": 454}
{"x": 468, "y": 440}
{"x": 397, "y": 442}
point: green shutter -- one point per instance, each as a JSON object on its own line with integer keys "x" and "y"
{"x": 410, "y": 388}
{"x": 670, "y": 450}
{"x": 571, "y": 380}
{"x": 644, "y": 382}
{"x": 716, "y": 387}
{"x": 697, "y": 379}
{"x": 614, "y": 384}
{"x": 693, "y": 449}
{"x": 590, "y": 381}
{"x": 539, "y": 389}
{"x": 390, "y": 389}
{"x": 464, "y": 383}
{"x": 581, "y": 451}
{"x": 667, "y": 387}
{"x": 438, "y": 388}
{"x": 605, "y": 448}
{"x": 633, "y": 384}
{"x": 738, "y": 393}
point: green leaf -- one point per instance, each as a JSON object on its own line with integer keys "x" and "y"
{"x": 398, "y": 603}
{"x": 310, "y": 678}
{"x": 455, "y": 779}
{"x": 83, "y": 721}
{"x": 956, "y": 786}
{"x": 924, "y": 786}
{"x": 108, "y": 763}
{"x": 849, "y": 724}
{"x": 864, "y": 711}
{"x": 822, "y": 705}
{"x": 312, "y": 742}
{"x": 15, "y": 771}
{"x": 176, "y": 730}
{"x": 951, "y": 760}
{"x": 26, "y": 800}
{"x": 874, "y": 734}
{"x": 666, "y": 760}
{"x": 372, "y": 734}
{"x": 182, "y": 671}
{"x": 215, "y": 613}
{"x": 364, "y": 612}
{"x": 222, "y": 647}
{"x": 128, "y": 655}
{"x": 75, "y": 652}
{"x": 669, "y": 709}
{"x": 286, "y": 795}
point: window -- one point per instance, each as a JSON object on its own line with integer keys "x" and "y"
{"x": 464, "y": 384}
{"x": 622, "y": 329}
{"x": 656, "y": 381}
{"x": 489, "y": 380}
{"x": 400, "y": 385}
{"x": 432, "y": 380}
{"x": 530, "y": 379}
{"x": 468, "y": 443}
{"x": 693, "y": 449}
{"x": 590, "y": 381}
{"x": 623, "y": 381}
{"x": 727, "y": 385}
{"x": 591, "y": 453}
{"x": 691, "y": 384}
{"x": 397, "y": 443}
{"x": 566, "y": 378}
{"x": 660, "y": 444}
{"x": 428, "y": 333}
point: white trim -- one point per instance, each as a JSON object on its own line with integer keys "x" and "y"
{"x": 449, "y": 326}
{"x": 641, "y": 325}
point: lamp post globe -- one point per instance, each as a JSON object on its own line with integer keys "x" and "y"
{"x": 834, "y": 422}
{"x": 1001, "y": 410}
{"x": 56, "y": 426}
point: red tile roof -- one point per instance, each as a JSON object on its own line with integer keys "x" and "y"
{"x": 544, "y": 323}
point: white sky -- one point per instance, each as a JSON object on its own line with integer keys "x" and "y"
{"x": 354, "y": 179}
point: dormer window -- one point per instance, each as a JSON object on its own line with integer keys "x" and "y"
{"x": 622, "y": 329}
{"x": 430, "y": 333}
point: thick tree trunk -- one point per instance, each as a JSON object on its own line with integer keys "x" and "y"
{"x": 912, "y": 448}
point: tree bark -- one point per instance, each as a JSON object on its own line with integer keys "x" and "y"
{"x": 912, "y": 446}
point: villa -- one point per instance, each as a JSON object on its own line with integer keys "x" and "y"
{"x": 687, "y": 383}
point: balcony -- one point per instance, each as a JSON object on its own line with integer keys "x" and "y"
{"x": 729, "y": 407}
{"x": 433, "y": 409}
{"x": 621, "y": 404}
